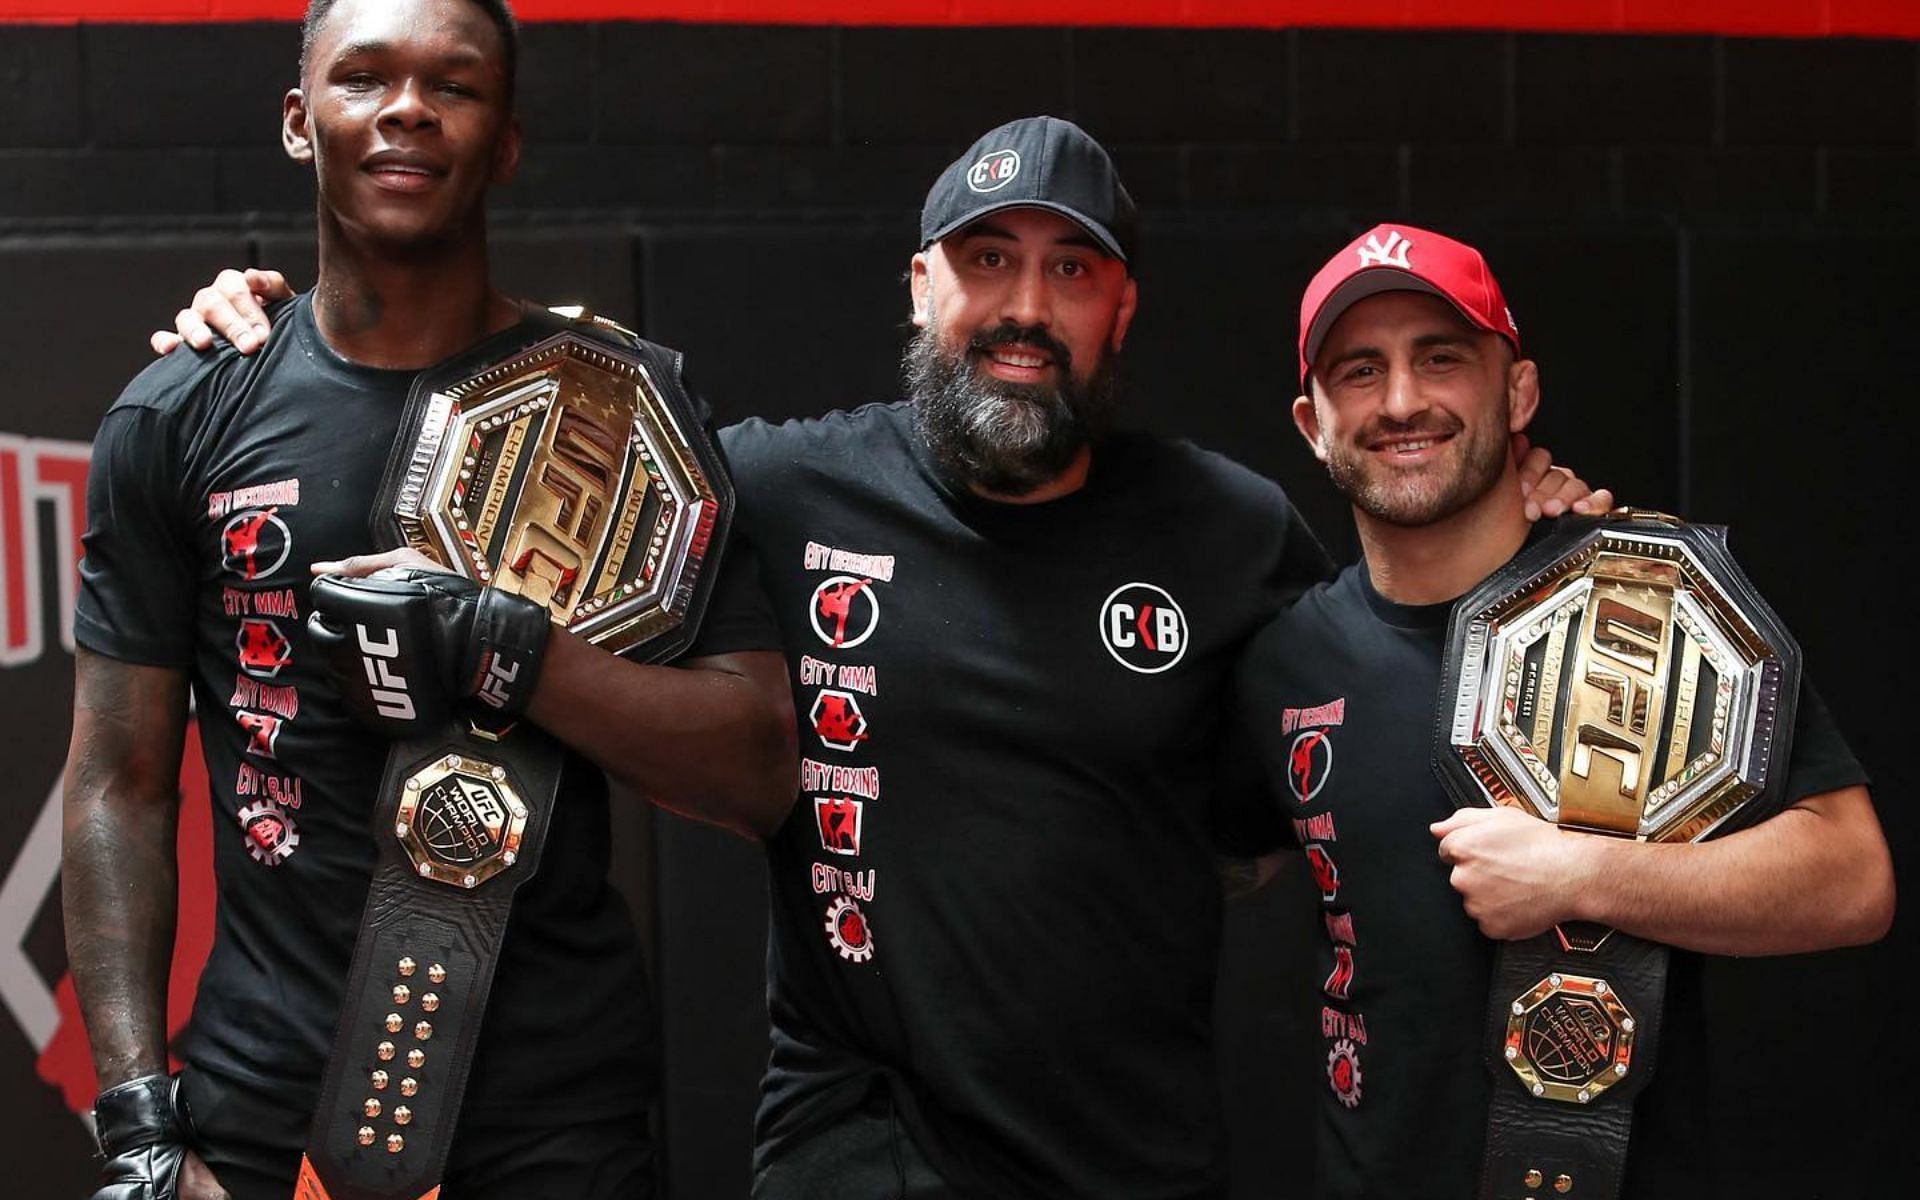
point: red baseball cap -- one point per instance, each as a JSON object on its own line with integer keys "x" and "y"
{"x": 1400, "y": 258}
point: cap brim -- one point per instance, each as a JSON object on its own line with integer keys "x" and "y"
{"x": 1372, "y": 282}
{"x": 1095, "y": 230}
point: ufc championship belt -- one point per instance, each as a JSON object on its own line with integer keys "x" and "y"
{"x": 1621, "y": 678}
{"x": 569, "y": 465}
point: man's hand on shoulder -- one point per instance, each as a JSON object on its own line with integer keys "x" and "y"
{"x": 1551, "y": 490}
{"x": 233, "y": 306}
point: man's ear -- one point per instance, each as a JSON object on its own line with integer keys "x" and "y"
{"x": 1307, "y": 421}
{"x": 295, "y": 137}
{"x": 506, "y": 156}
{"x": 1523, "y": 394}
{"x": 920, "y": 284}
{"x": 1129, "y": 304}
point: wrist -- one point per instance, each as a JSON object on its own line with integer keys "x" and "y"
{"x": 507, "y": 645}
{"x": 142, "y": 1111}
{"x": 1582, "y": 875}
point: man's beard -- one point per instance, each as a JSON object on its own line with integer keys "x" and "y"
{"x": 1416, "y": 497}
{"x": 1005, "y": 438}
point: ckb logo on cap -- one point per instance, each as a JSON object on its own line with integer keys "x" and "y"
{"x": 994, "y": 171}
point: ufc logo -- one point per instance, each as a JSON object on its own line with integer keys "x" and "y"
{"x": 389, "y": 691}
{"x": 495, "y": 685}
{"x": 1630, "y": 639}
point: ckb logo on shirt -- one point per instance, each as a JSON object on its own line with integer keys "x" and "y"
{"x": 1143, "y": 628}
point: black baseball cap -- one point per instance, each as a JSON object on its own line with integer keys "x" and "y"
{"x": 1035, "y": 162}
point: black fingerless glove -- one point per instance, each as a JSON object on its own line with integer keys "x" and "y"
{"x": 404, "y": 645}
{"x": 144, "y": 1130}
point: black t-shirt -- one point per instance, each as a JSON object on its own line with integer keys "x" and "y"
{"x": 216, "y": 479}
{"x": 1339, "y": 693}
{"x": 996, "y": 901}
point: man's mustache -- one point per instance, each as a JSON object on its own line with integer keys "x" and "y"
{"x": 1009, "y": 334}
{"x": 1384, "y": 429}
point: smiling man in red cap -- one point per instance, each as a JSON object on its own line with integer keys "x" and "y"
{"x": 1413, "y": 380}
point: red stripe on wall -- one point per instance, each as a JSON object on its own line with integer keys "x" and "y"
{"x": 1787, "y": 18}
{"x": 15, "y": 512}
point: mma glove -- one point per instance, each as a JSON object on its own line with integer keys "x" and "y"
{"x": 144, "y": 1131}
{"x": 406, "y": 645}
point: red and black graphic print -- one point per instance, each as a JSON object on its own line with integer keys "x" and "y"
{"x": 828, "y": 880}
{"x": 263, "y": 649}
{"x": 1343, "y": 1072}
{"x": 839, "y": 819}
{"x": 1326, "y": 873}
{"x": 847, "y": 930}
{"x": 1340, "y": 979}
{"x": 1340, "y": 932}
{"x": 844, "y": 611}
{"x": 1143, "y": 628}
{"x": 255, "y": 544}
{"x": 1309, "y": 763}
{"x": 270, "y": 831}
{"x": 837, "y": 719}
{"x": 263, "y": 733}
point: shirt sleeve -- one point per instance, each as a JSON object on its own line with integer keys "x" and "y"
{"x": 1244, "y": 817}
{"x": 739, "y": 617}
{"x": 1304, "y": 562}
{"x": 1248, "y": 816}
{"x": 137, "y": 596}
{"x": 1821, "y": 760}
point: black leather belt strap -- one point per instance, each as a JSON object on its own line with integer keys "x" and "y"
{"x": 1539, "y": 1148}
{"x": 411, "y": 1014}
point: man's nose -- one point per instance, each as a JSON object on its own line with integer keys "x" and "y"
{"x": 407, "y": 107}
{"x": 1027, "y": 303}
{"x": 1404, "y": 396}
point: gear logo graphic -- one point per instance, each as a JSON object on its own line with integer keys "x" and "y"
{"x": 1343, "y": 1072}
{"x": 271, "y": 834}
{"x": 848, "y": 931}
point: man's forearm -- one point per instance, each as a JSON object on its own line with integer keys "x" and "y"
{"x": 1814, "y": 876}
{"x": 712, "y": 738}
{"x": 118, "y": 877}
{"x": 118, "y": 883}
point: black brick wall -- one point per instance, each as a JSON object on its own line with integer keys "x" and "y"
{"x": 157, "y": 122}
